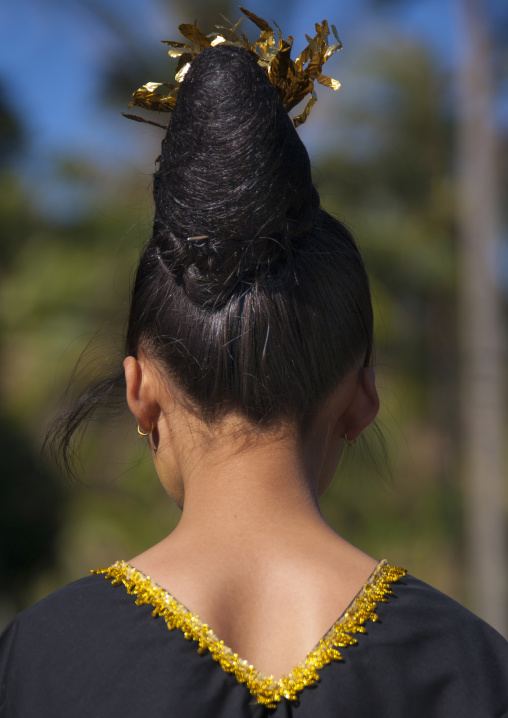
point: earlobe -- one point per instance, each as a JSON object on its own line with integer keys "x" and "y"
{"x": 139, "y": 394}
{"x": 369, "y": 383}
{"x": 365, "y": 405}
{"x": 133, "y": 378}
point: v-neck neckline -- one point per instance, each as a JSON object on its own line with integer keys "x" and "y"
{"x": 266, "y": 689}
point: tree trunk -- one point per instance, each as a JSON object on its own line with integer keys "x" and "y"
{"x": 480, "y": 325}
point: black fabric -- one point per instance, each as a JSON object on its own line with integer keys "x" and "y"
{"x": 88, "y": 651}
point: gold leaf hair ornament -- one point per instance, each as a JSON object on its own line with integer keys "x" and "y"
{"x": 293, "y": 79}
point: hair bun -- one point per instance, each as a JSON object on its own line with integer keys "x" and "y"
{"x": 234, "y": 186}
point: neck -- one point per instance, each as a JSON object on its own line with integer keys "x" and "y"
{"x": 259, "y": 490}
{"x": 239, "y": 488}
{"x": 250, "y": 526}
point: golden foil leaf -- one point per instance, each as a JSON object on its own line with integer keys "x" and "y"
{"x": 184, "y": 59}
{"x": 181, "y": 73}
{"x": 152, "y": 86}
{"x": 328, "y": 81}
{"x": 300, "y": 119}
{"x": 150, "y": 99}
{"x": 262, "y": 24}
{"x": 293, "y": 79}
{"x": 332, "y": 49}
{"x": 195, "y": 35}
{"x": 175, "y": 44}
{"x": 174, "y": 52}
{"x": 303, "y": 57}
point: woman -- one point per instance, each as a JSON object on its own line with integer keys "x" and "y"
{"x": 247, "y": 366}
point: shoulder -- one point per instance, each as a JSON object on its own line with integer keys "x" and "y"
{"x": 439, "y": 651}
{"x": 77, "y": 596}
{"x": 83, "y": 619}
{"x": 424, "y": 611}
{"x": 78, "y": 642}
{"x": 427, "y": 621}
{"x": 77, "y": 614}
{"x": 56, "y": 621}
{"x": 423, "y": 655}
{"x": 71, "y": 607}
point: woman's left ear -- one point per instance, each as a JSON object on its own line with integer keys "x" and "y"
{"x": 364, "y": 405}
{"x": 140, "y": 393}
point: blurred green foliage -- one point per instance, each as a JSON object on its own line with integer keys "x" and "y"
{"x": 393, "y": 185}
{"x": 64, "y": 291}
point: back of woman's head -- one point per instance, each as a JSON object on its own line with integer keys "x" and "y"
{"x": 250, "y": 296}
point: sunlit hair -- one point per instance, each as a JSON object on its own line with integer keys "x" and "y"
{"x": 250, "y": 296}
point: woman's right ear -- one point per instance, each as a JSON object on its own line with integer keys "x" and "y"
{"x": 364, "y": 405}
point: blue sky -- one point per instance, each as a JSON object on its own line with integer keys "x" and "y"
{"x": 53, "y": 54}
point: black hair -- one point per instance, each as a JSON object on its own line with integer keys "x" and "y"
{"x": 248, "y": 294}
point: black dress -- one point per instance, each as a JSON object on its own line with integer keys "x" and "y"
{"x": 101, "y": 648}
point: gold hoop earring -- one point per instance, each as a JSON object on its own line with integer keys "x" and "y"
{"x": 349, "y": 443}
{"x": 145, "y": 433}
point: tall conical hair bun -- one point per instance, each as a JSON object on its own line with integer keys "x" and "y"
{"x": 233, "y": 189}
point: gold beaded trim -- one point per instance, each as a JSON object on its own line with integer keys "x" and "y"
{"x": 266, "y": 689}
